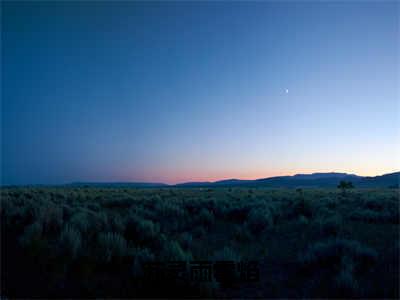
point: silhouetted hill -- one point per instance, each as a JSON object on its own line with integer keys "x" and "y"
{"x": 386, "y": 180}
{"x": 324, "y": 175}
{"x": 316, "y": 180}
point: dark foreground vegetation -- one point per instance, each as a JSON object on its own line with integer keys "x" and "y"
{"x": 93, "y": 242}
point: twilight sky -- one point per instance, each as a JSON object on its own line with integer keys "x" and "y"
{"x": 190, "y": 91}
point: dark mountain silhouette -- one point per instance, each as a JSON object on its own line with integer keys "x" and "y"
{"x": 389, "y": 180}
{"x": 314, "y": 180}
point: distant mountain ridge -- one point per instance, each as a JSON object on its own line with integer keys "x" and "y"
{"x": 314, "y": 180}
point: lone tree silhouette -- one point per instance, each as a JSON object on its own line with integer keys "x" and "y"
{"x": 344, "y": 185}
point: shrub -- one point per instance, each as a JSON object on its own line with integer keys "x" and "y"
{"x": 225, "y": 254}
{"x": 70, "y": 241}
{"x": 141, "y": 256}
{"x": 237, "y": 214}
{"x": 140, "y": 230}
{"x": 94, "y": 206}
{"x": 169, "y": 209}
{"x": 52, "y": 218}
{"x": 372, "y": 216}
{"x": 32, "y": 233}
{"x": 172, "y": 251}
{"x": 111, "y": 245}
{"x": 68, "y": 211}
{"x": 330, "y": 253}
{"x": 186, "y": 240}
{"x": 259, "y": 219}
{"x": 80, "y": 221}
{"x": 116, "y": 223}
{"x": 242, "y": 234}
{"x": 199, "y": 232}
{"x": 333, "y": 265}
{"x": 330, "y": 226}
{"x": 304, "y": 207}
{"x": 345, "y": 283}
{"x": 117, "y": 203}
{"x": 302, "y": 220}
{"x": 205, "y": 217}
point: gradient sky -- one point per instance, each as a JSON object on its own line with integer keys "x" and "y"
{"x": 189, "y": 91}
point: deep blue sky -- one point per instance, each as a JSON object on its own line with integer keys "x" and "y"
{"x": 181, "y": 91}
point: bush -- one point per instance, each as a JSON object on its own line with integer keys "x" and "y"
{"x": 117, "y": 203}
{"x": 79, "y": 220}
{"x": 141, "y": 256}
{"x": 242, "y": 234}
{"x": 70, "y": 241}
{"x": 259, "y": 219}
{"x": 303, "y": 207}
{"x": 329, "y": 253}
{"x": 31, "y": 234}
{"x": 333, "y": 266}
{"x": 52, "y": 218}
{"x": 199, "y": 232}
{"x": 111, "y": 245}
{"x": 205, "y": 218}
{"x": 345, "y": 283}
{"x": 225, "y": 254}
{"x": 172, "y": 251}
{"x": 372, "y": 216}
{"x": 169, "y": 209}
{"x": 186, "y": 240}
{"x": 330, "y": 226}
{"x": 237, "y": 214}
{"x": 140, "y": 230}
{"x": 116, "y": 223}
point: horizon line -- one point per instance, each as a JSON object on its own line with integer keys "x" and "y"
{"x": 185, "y": 182}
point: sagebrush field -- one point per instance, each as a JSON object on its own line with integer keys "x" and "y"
{"x": 92, "y": 242}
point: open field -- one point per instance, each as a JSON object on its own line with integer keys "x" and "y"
{"x": 94, "y": 242}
